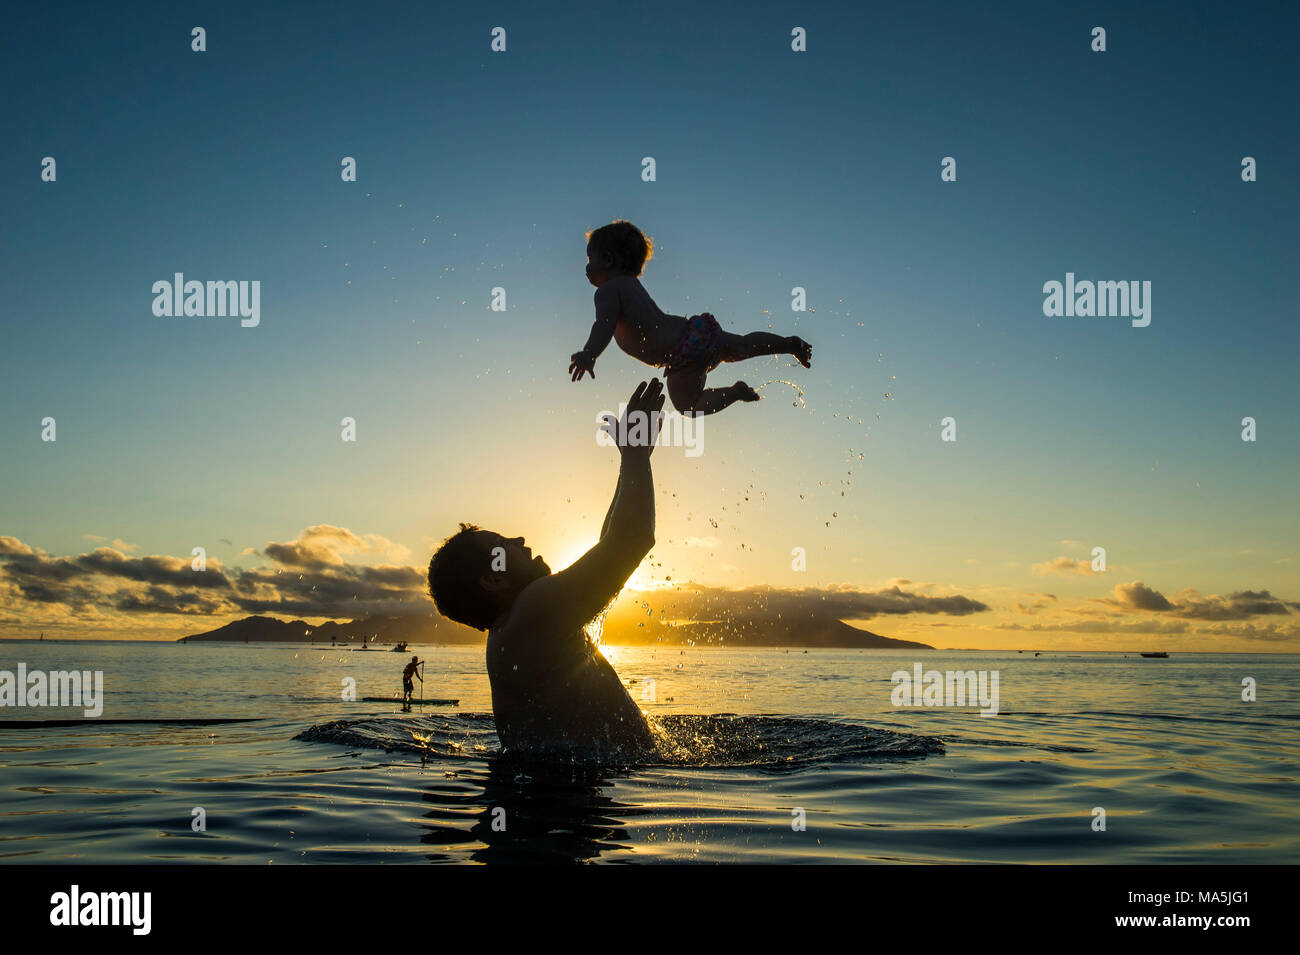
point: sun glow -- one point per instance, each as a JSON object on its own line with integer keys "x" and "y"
{"x": 565, "y": 553}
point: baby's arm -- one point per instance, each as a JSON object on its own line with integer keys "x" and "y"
{"x": 607, "y": 309}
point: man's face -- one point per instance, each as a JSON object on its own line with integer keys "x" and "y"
{"x": 509, "y": 556}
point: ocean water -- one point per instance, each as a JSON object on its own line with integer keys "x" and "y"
{"x": 769, "y": 756}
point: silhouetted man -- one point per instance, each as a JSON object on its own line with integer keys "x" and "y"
{"x": 551, "y": 688}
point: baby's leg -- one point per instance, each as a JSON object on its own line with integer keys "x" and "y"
{"x": 757, "y": 344}
{"x": 689, "y": 396}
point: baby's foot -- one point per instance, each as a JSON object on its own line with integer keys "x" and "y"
{"x": 801, "y": 350}
{"x": 742, "y": 392}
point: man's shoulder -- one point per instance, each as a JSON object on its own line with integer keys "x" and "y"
{"x": 535, "y": 622}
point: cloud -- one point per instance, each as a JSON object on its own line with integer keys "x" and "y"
{"x": 695, "y": 602}
{"x": 1037, "y": 605}
{"x": 116, "y": 543}
{"x": 1098, "y": 626}
{"x": 106, "y": 577}
{"x": 310, "y": 578}
{"x": 1268, "y": 633}
{"x": 1138, "y": 596}
{"x": 763, "y": 612}
{"x": 12, "y": 546}
{"x": 324, "y": 545}
{"x": 1193, "y": 605}
{"x": 1064, "y": 567}
{"x": 315, "y": 584}
{"x": 1239, "y": 605}
{"x": 315, "y": 576}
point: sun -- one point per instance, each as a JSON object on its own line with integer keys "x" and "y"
{"x": 565, "y": 553}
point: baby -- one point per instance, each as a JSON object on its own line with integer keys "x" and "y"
{"x": 688, "y": 348}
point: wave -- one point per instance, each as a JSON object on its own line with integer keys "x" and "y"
{"x": 705, "y": 741}
{"x": 97, "y": 721}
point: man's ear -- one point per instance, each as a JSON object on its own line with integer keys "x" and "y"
{"x": 494, "y": 583}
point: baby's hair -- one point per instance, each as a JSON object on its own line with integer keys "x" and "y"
{"x": 628, "y": 246}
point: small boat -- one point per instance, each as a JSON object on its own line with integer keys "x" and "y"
{"x": 400, "y": 648}
{"x": 1158, "y": 655}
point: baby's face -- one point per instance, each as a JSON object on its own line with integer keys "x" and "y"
{"x": 597, "y": 267}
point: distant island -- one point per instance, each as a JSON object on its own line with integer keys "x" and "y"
{"x": 787, "y": 631}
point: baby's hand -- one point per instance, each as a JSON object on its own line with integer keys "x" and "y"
{"x": 579, "y": 362}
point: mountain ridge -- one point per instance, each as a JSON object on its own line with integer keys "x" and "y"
{"x": 811, "y": 631}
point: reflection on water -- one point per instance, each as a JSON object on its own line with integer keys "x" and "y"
{"x": 544, "y": 813}
{"x": 523, "y": 809}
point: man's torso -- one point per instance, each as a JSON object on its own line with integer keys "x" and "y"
{"x": 560, "y": 693}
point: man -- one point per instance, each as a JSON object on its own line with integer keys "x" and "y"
{"x": 551, "y": 689}
{"x": 408, "y": 686}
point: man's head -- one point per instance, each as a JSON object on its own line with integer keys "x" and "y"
{"x": 618, "y": 248}
{"x": 415, "y": 659}
{"x": 476, "y": 575}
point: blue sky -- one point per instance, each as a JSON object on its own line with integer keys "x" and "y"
{"x": 774, "y": 169}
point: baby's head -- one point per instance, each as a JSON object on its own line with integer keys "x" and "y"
{"x": 618, "y": 248}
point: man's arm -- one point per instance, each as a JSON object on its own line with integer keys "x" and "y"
{"x": 575, "y": 595}
{"x": 609, "y": 515}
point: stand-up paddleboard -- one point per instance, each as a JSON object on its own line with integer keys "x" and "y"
{"x": 398, "y": 699}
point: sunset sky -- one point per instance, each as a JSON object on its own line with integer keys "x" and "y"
{"x": 774, "y": 169}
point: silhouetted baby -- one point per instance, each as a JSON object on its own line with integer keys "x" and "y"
{"x": 687, "y": 348}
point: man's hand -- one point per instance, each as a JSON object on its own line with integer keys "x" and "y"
{"x": 637, "y": 432}
{"x": 580, "y": 362}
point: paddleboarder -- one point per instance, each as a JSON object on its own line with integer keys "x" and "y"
{"x": 408, "y": 686}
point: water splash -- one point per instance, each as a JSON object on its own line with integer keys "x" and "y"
{"x": 770, "y": 743}
{"x": 595, "y": 627}
{"x": 798, "y": 391}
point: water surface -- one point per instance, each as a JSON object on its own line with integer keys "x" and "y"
{"x": 761, "y": 740}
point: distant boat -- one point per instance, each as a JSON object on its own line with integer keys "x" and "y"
{"x": 400, "y": 648}
{"x": 1159, "y": 655}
